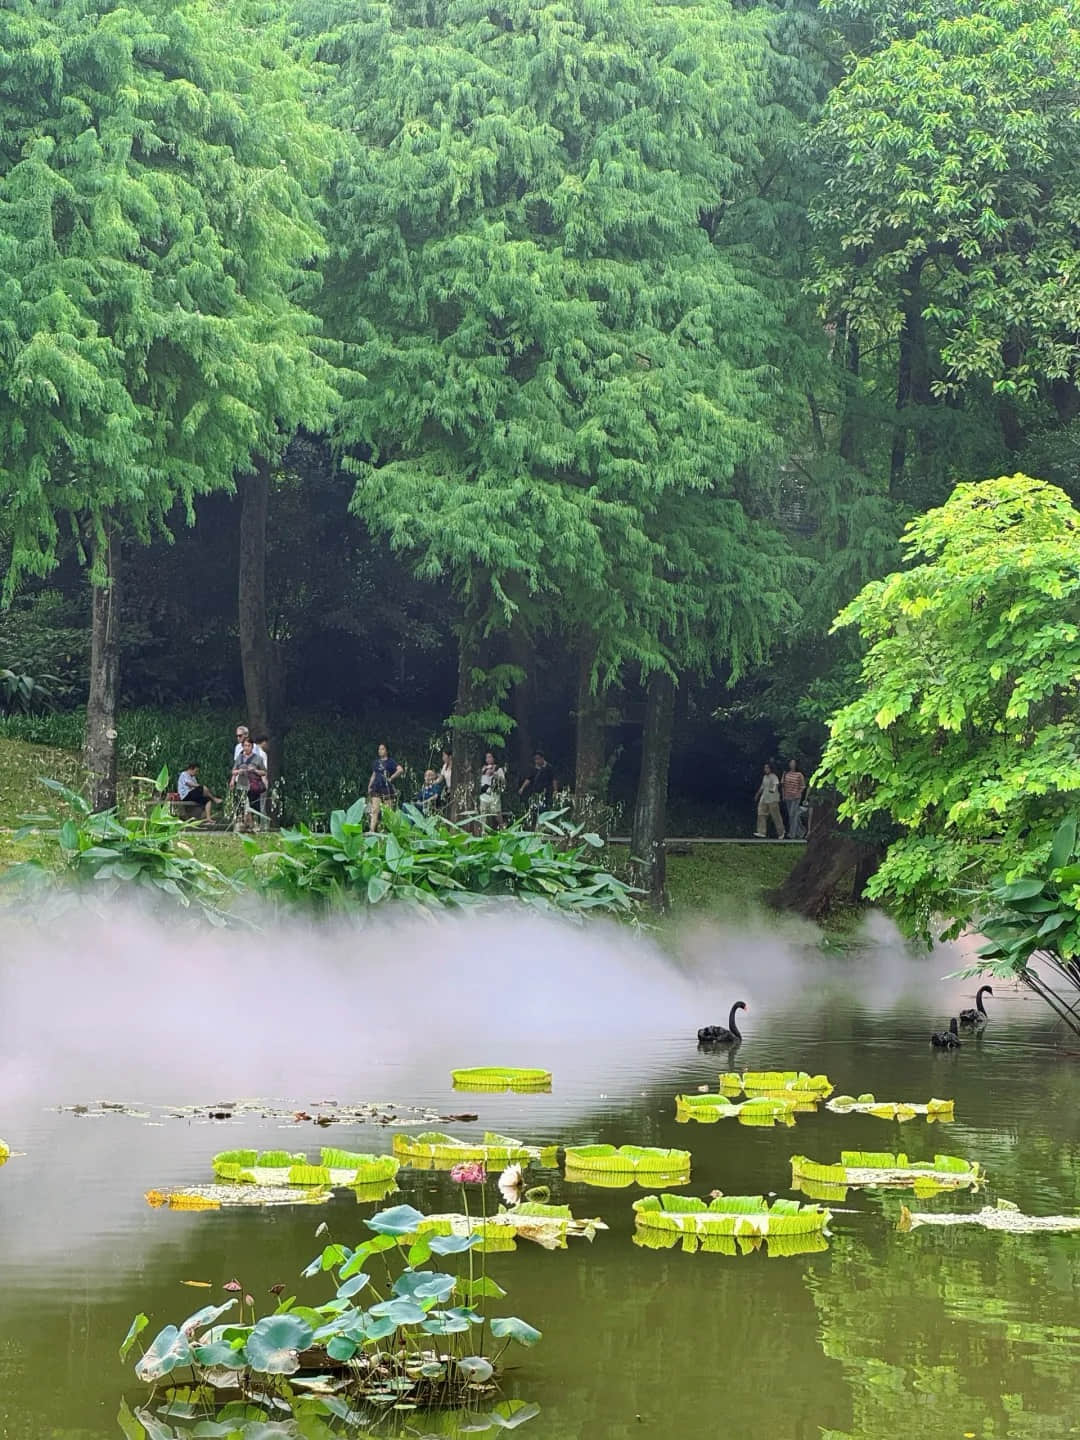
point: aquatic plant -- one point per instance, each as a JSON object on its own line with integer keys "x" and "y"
{"x": 282, "y": 1167}
{"x": 686, "y": 1219}
{"x": 426, "y": 861}
{"x": 319, "y": 1414}
{"x": 410, "y": 1344}
{"x": 5, "y": 1152}
{"x": 762, "y": 1110}
{"x": 546, "y": 1225}
{"x": 776, "y": 1082}
{"x": 108, "y": 853}
{"x": 939, "y": 1110}
{"x": 1003, "y": 1216}
{"x": 880, "y": 1168}
{"x": 434, "y": 1148}
{"x": 495, "y": 1077}
{"x": 618, "y": 1166}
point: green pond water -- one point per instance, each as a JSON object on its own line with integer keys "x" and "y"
{"x": 945, "y": 1332}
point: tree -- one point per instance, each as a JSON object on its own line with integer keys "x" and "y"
{"x": 562, "y": 342}
{"x": 156, "y": 174}
{"x": 965, "y": 732}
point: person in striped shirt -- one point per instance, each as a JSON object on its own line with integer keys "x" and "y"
{"x": 793, "y": 788}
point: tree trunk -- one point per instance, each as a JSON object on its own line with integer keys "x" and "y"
{"x": 463, "y": 799}
{"x": 258, "y": 656}
{"x": 849, "y": 437}
{"x": 648, "y": 860}
{"x": 521, "y": 655}
{"x": 834, "y": 864}
{"x": 100, "y": 749}
{"x": 591, "y": 750}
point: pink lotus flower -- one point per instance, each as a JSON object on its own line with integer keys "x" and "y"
{"x": 472, "y": 1172}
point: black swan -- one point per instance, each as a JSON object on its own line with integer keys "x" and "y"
{"x": 946, "y": 1039}
{"x": 978, "y": 1015}
{"x": 721, "y": 1034}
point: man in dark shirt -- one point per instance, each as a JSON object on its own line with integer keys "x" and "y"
{"x": 539, "y": 787}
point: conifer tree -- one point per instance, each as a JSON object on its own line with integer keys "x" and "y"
{"x": 568, "y": 356}
{"x": 156, "y": 174}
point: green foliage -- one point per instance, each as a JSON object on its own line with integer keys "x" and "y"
{"x": 434, "y": 1147}
{"x": 425, "y": 861}
{"x": 1036, "y": 917}
{"x": 25, "y": 694}
{"x": 156, "y": 180}
{"x": 113, "y": 854}
{"x": 564, "y": 346}
{"x": 965, "y": 734}
{"x": 392, "y": 1336}
{"x": 496, "y": 1077}
{"x": 951, "y": 170}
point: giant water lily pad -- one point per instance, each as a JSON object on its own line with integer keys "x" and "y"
{"x": 1002, "y": 1216}
{"x": 5, "y": 1152}
{"x": 776, "y": 1082}
{"x": 687, "y": 1217}
{"x": 880, "y": 1168}
{"x": 902, "y": 1110}
{"x": 545, "y": 1225}
{"x": 433, "y": 1148}
{"x": 214, "y": 1197}
{"x": 763, "y": 1110}
{"x": 774, "y": 1246}
{"x": 618, "y": 1166}
{"x": 281, "y": 1167}
{"x": 495, "y": 1077}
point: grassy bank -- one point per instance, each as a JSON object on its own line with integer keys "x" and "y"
{"x": 724, "y": 881}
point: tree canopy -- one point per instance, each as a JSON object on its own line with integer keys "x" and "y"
{"x": 965, "y": 732}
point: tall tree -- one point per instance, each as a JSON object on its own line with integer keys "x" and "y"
{"x": 156, "y": 174}
{"x": 558, "y": 334}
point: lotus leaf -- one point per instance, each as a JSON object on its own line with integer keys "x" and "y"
{"x": 434, "y": 1147}
{"x": 872, "y": 1167}
{"x": 476, "y": 1367}
{"x": 424, "y": 1285}
{"x": 169, "y": 1350}
{"x": 758, "y": 1110}
{"x": 401, "y": 1220}
{"x": 494, "y": 1077}
{"x": 772, "y": 1082}
{"x": 135, "y": 1329}
{"x": 1002, "y": 1216}
{"x": 276, "y": 1343}
{"x": 514, "y": 1329}
{"x": 934, "y": 1110}
{"x": 635, "y": 1160}
{"x": 204, "y": 1318}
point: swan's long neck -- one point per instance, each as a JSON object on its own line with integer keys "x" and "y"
{"x": 731, "y": 1025}
{"x": 978, "y": 1000}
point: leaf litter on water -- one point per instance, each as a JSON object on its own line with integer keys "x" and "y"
{"x": 1004, "y": 1216}
{"x": 940, "y": 1111}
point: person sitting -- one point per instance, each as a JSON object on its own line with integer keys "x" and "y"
{"x": 191, "y": 792}
{"x": 431, "y": 792}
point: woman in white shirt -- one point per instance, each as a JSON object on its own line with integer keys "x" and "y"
{"x": 492, "y": 785}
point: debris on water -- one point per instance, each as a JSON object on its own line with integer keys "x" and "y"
{"x": 1002, "y": 1216}
{"x": 322, "y": 1113}
{"x": 214, "y": 1197}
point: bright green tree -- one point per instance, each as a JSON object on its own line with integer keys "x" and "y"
{"x": 966, "y": 734}
{"x": 562, "y": 333}
{"x": 156, "y": 179}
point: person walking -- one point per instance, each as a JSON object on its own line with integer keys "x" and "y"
{"x": 539, "y": 787}
{"x": 381, "y": 785}
{"x": 492, "y": 785}
{"x": 793, "y": 788}
{"x": 249, "y": 781}
{"x": 767, "y": 796}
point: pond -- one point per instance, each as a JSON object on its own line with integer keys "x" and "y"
{"x": 951, "y": 1331}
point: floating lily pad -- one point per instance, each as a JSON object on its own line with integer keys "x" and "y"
{"x": 758, "y": 1110}
{"x": 433, "y": 1148}
{"x": 494, "y": 1077}
{"x": 776, "y": 1082}
{"x": 1002, "y": 1216}
{"x": 546, "y": 1225}
{"x": 214, "y": 1197}
{"x": 934, "y": 1110}
{"x": 280, "y": 1167}
{"x": 877, "y": 1168}
{"x": 625, "y": 1163}
{"x": 774, "y": 1246}
{"x": 5, "y": 1152}
{"x": 734, "y": 1215}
